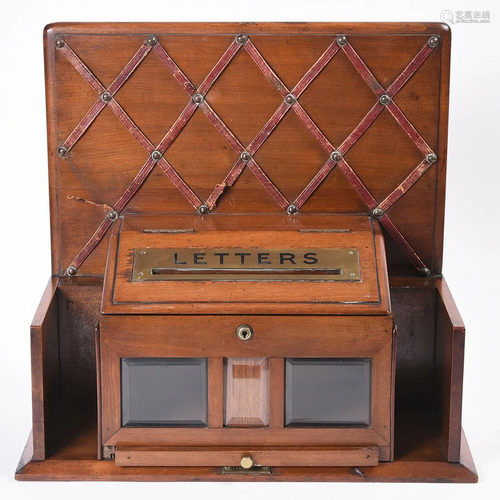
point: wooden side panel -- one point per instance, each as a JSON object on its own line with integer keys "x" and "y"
{"x": 79, "y": 303}
{"x": 450, "y": 342}
{"x": 44, "y": 367}
{"x": 414, "y": 310}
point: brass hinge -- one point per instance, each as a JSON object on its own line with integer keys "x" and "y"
{"x": 255, "y": 470}
{"x": 108, "y": 452}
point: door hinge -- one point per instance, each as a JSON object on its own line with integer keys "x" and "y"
{"x": 108, "y": 452}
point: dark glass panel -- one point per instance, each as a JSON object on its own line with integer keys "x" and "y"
{"x": 328, "y": 392}
{"x": 164, "y": 392}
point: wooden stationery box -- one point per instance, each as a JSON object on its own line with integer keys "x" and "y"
{"x": 297, "y": 390}
{"x": 247, "y": 240}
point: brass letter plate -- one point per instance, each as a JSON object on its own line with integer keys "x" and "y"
{"x": 246, "y": 264}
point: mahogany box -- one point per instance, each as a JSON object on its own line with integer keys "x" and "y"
{"x": 247, "y": 244}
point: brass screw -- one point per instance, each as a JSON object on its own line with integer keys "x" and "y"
{"x": 112, "y": 215}
{"x": 342, "y": 40}
{"x": 151, "y": 40}
{"x": 241, "y": 39}
{"x": 198, "y": 98}
{"x": 434, "y": 41}
{"x": 246, "y": 156}
{"x": 425, "y": 272}
{"x": 71, "y": 271}
{"x": 106, "y": 96}
{"x": 156, "y": 155}
{"x": 336, "y": 156}
{"x": 384, "y": 99}
{"x": 59, "y": 42}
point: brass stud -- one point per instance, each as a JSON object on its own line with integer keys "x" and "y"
{"x": 246, "y": 156}
{"x": 433, "y": 41}
{"x": 384, "y": 99}
{"x": 62, "y": 152}
{"x": 156, "y": 155}
{"x": 151, "y": 40}
{"x": 290, "y": 99}
{"x": 377, "y": 212}
{"x": 106, "y": 97}
{"x": 246, "y": 462}
{"x": 59, "y": 42}
{"x": 292, "y": 209}
{"x": 198, "y": 99}
{"x": 241, "y": 39}
{"x": 71, "y": 271}
{"x": 112, "y": 215}
{"x": 425, "y": 272}
{"x": 336, "y": 156}
{"x": 341, "y": 40}
{"x": 431, "y": 158}
{"x": 203, "y": 210}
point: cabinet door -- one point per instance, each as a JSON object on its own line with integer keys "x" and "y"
{"x": 298, "y": 382}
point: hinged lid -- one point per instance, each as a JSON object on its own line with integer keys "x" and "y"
{"x": 247, "y": 118}
{"x": 315, "y": 264}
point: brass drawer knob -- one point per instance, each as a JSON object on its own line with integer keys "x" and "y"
{"x": 244, "y": 332}
{"x": 246, "y": 462}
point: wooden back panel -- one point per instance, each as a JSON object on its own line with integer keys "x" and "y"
{"x": 104, "y": 156}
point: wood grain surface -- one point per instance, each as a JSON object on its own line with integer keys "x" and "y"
{"x": 368, "y": 296}
{"x": 88, "y": 182}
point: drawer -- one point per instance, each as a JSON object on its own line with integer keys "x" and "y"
{"x": 230, "y": 457}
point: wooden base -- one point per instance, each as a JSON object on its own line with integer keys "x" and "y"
{"x": 419, "y": 458}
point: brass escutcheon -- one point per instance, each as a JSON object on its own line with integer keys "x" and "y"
{"x": 244, "y": 332}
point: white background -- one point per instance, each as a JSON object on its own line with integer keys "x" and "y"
{"x": 471, "y": 239}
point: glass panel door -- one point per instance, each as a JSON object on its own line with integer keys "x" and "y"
{"x": 328, "y": 392}
{"x": 164, "y": 392}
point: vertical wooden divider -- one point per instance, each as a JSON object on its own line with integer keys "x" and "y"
{"x": 276, "y": 393}
{"x": 215, "y": 392}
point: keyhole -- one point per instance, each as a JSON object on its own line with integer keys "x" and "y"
{"x": 244, "y": 332}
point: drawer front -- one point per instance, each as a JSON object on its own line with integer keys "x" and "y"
{"x": 249, "y": 381}
{"x": 273, "y": 336}
{"x": 246, "y": 458}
